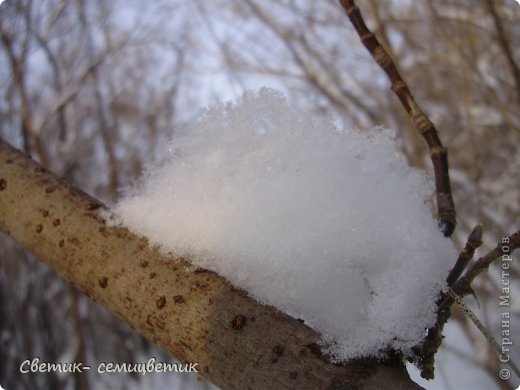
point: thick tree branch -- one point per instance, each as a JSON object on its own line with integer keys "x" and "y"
{"x": 194, "y": 314}
{"x": 421, "y": 122}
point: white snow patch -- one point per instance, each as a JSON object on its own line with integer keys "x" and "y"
{"x": 327, "y": 225}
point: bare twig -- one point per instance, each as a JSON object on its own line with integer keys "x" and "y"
{"x": 504, "y": 45}
{"x": 337, "y": 96}
{"x": 224, "y": 49}
{"x": 18, "y": 77}
{"x": 425, "y": 353}
{"x": 105, "y": 129}
{"x": 485, "y": 331}
{"x": 505, "y": 248}
{"x": 425, "y": 127}
{"x": 474, "y": 241}
{"x": 57, "y": 80}
{"x": 68, "y": 95}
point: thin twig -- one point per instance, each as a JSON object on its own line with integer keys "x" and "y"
{"x": 425, "y": 352}
{"x": 68, "y": 95}
{"x": 505, "y": 45}
{"x": 425, "y": 127}
{"x": 487, "y": 334}
{"x": 505, "y": 248}
{"x": 474, "y": 241}
{"x": 335, "y": 95}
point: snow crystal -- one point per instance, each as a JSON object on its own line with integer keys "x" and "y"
{"x": 327, "y": 225}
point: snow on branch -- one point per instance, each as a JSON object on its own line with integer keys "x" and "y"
{"x": 194, "y": 314}
{"x": 328, "y": 225}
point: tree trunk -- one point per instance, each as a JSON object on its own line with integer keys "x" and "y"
{"x": 194, "y": 314}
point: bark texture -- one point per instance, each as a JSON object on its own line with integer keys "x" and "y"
{"x": 194, "y": 314}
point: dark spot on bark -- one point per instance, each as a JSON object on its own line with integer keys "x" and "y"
{"x": 149, "y": 320}
{"x": 93, "y": 206}
{"x": 160, "y": 323}
{"x": 277, "y": 352}
{"x": 61, "y": 242}
{"x": 39, "y": 169}
{"x": 161, "y": 302}
{"x": 252, "y": 319}
{"x": 152, "y": 275}
{"x": 3, "y": 184}
{"x": 301, "y": 320}
{"x": 9, "y": 161}
{"x": 144, "y": 263}
{"x": 50, "y": 190}
{"x": 238, "y": 322}
{"x": 178, "y": 299}
{"x": 103, "y": 231}
{"x": 103, "y": 282}
{"x": 56, "y": 222}
{"x": 293, "y": 375}
{"x": 74, "y": 240}
{"x": 200, "y": 286}
{"x": 315, "y": 349}
{"x": 45, "y": 213}
{"x": 39, "y": 228}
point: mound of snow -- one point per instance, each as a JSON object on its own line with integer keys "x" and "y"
{"x": 330, "y": 226}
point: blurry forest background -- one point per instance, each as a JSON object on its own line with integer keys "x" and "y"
{"x": 90, "y": 88}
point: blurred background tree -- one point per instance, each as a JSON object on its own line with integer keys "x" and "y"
{"x": 91, "y": 89}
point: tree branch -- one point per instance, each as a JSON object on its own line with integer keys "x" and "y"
{"x": 504, "y": 248}
{"x": 425, "y": 353}
{"x": 194, "y": 314}
{"x": 505, "y": 45}
{"x": 421, "y": 122}
{"x": 473, "y": 242}
{"x": 339, "y": 97}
